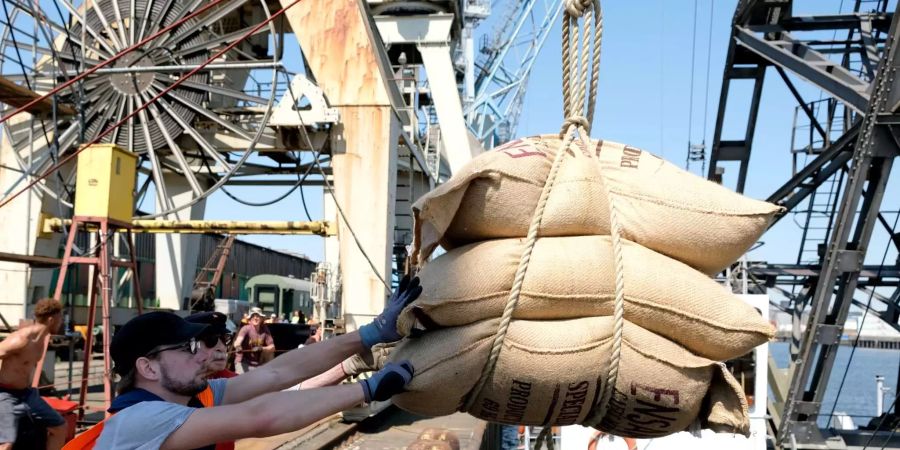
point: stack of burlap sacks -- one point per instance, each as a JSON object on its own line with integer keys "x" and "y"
{"x": 677, "y": 229}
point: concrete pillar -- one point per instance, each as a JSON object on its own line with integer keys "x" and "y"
{"x": 365, "y": 167}
{"x": 345, "y": 54}
{"x": 176, "y": 254}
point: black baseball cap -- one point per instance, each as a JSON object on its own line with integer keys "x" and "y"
{"x": 139, "y": 336}
{"x": 215, "y": 320}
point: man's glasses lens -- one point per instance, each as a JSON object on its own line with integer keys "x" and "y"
{"x": 189, "y": 346}
{"x": 212, "y": 340}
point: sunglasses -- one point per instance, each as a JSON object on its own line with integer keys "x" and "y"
{"x": 192, "y": 345}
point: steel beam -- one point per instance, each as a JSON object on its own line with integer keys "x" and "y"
{"x": 805, "y": 271}
{"x": 806, "y": 181}
{"x": 737, "y": 150}
{"x": 809, "y": 64}
{"x": 17, "y": 96}
{"x": 294, "y": 227}
{"x": 879, "y": 21}
{"x": 837, "y": 281}
{"x": 31, "y": 260}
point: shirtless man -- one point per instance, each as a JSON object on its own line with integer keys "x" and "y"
{"x": 19, "y": 356}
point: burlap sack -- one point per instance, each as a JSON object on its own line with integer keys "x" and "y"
{"x": 660, "y": 206}
{"x": 440, "y": 435}
{"x": 570, "y": 277}
{"x": 552, "y": 373}
{"x": 423, "y": 444}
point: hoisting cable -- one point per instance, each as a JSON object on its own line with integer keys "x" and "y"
{"x": 690, "y": 127}
{"x": 712, "y": 5}
{"x": 881, "y": 423}
{"x": 578, "y": 120}
{"x": 300, "y": 179}
{"x": 330, "y": 189}
{"x": 165, "y": 91}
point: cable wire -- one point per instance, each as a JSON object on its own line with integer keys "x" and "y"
{"x": 330, "y": 189}
{"x": 690, "y": 127}
{"x": 881, "y": 424}
{"x": 712, "y": 5}
{"x": 861, "y": 323}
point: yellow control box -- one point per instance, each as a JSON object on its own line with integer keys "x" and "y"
{"x": 104, "y": 184}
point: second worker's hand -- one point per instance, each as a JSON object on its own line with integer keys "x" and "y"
{"x": 384, "y": 328}
{"x": 387, "y": 382}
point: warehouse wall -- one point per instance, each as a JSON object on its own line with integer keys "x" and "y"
{"x": 245, "y": 261}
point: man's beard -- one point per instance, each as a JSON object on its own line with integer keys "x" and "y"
{"x": 189, "y": 389}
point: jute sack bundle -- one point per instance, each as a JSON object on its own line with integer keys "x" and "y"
{"x": 570, "y": 277}
{"x": 660, "y": 206}
{"x": 553, "y": 372}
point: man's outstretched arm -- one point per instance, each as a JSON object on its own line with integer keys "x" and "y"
{"x": 278, "y": 412}
{"x": 266, "y": 415}
{"x": 298, "y": 365}
{"x": 291, "y": 368}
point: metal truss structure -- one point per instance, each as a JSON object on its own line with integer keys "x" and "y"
{"x": 849, "y": 140}
{"x": 493, "y": 96}
{"x": 209, "y": 95}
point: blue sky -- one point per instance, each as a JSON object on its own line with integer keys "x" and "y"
{"x": 643, "y": 101}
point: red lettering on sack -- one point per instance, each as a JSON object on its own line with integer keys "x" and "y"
{"x": 520, "y": 149}
{"x": 657, "y": 392}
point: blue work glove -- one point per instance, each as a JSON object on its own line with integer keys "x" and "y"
{"x": 384, "y": 328}
{"x": 387, "y": 382}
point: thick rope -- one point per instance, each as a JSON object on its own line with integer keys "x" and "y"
{"x": 575, "y": 122}
{"x": 545, "y": 437}
{"x": 618, "y": 316}
{"x": 513, "y": 298}
{"x": 575, "y": 71}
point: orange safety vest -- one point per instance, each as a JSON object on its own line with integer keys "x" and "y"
{"x": 87, "y": 440}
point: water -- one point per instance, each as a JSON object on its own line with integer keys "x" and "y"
{"x": 858, "y": 397}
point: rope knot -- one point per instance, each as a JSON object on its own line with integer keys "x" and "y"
{"x": 578, "y": 121}
{"x": 576, "y": 8}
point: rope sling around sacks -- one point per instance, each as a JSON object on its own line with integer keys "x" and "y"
{"x": 574, "y": 105}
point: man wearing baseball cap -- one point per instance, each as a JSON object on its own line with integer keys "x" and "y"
{"x": 163, "y": 362}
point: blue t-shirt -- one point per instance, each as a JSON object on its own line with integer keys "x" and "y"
{"x": 147, "y": 424}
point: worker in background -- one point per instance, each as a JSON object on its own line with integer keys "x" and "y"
{"x": 162, "y": 360}
{"x": 252, "y": 340}
{"x": 218, "y": 361}
{"x": 20, "y": 353}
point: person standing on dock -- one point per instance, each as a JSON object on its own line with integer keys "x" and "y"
{"x": 20, "y": 354}
{"x": 163, "y": 361}
{"x": 252, "y": 342}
